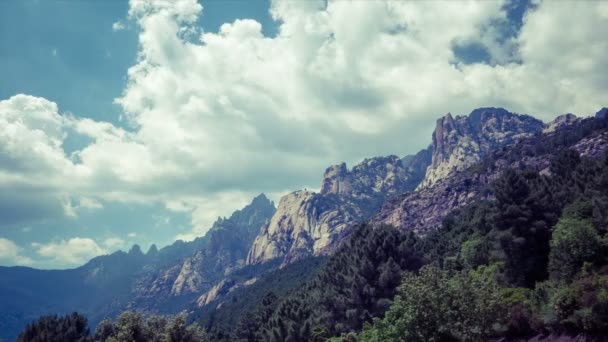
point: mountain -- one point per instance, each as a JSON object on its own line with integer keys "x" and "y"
{"x": 224, "y": 250}
{"x": 425, "y": 209}
{"x": 308, "y": 223}
{"x": 462, "y": 141}
{"x": 165, "y": 281}
{"x": 512, "y": 248}
{"x": 433, "y": 198}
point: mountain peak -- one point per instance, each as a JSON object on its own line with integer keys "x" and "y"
{"x": 372, "y": 175}
{"x": 460, "y": 142}
{"x": 602, "y": 113}
{"x": 152, "y": 251}
{"x": 135, "y": 250}
{"x": 560, "y": 122}
{"x": 261, "y": 199}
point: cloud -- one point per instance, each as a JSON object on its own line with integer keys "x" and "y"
{"x": 74, "y": 251}
{"x": 114, "y": 243}
{"x": 10, "y": 253}
{"x": 33, "y": 165}
{"x": 214, "y": 120}
{"x": 118, "y": 26}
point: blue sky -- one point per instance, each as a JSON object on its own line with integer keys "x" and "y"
{"x": 69, "y": 52}
{"x": 141, "y": 122}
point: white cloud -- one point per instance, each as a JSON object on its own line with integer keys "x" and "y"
{"x": 74, "y": 251}
{"x": 215, "y": 121}
{"x": 118, "y": 26}
{"x": 132, "y": 234}
{"x": 209, "y": 209}
{"x": 114, "y": 243}
{"x": 10, "y": 253}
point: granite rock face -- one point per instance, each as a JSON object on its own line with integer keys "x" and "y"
{"x": 460, "y": 142}
{"x": 221, "y": 288}
{"x": 223, "y": 250}
{"x": 425, "y": 209}
{"x": 308, "y": 223}
{"x": 561, "y": 122}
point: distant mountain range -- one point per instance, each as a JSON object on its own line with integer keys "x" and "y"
{"x": 411, "y": 193}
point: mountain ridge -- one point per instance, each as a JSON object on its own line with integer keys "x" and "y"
{"x": 414, "y": 192}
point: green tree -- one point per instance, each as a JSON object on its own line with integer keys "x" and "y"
{"x": 177, "y": 331}
{"x": 71, "y": 327}
{"x": 438, "y": 306}
{"x": 574, "y": 241}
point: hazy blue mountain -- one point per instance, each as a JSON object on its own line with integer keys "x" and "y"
{"x": 109, "y": 284}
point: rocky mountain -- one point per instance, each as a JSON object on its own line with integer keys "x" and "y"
{"x": 425, "y": 209}
{"x": 381, "y": 189}
{"x": 166, "y": 280}
{"x": 561, "y": 122}
{"x": 461, "y": 141}
{"x": 411, "y": 193}
{"x": 223, "y": 251}
{"x": 308, "y": 223}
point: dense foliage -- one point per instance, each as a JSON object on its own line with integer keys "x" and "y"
{"x": 221, "y": 321}
{"x": 356, "y": 284}
{"x": 544, "y": 240}
{"x": 439, "y": 305}
{"x": 54, "y": 328}
{"x": 128, "y": 327}
{"x": 532, "y": 260}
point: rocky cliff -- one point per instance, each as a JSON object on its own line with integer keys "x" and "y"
{"x": 308, "y": 223}
{"x": 461, "y": 141}
{"x": 224, "y": 250}
{"x": 426, "y": 208}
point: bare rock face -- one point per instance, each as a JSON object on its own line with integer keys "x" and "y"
{"x": 215, "y": 292}
{"x": 560, "y": 122}
{"x": 223, "y": 250}
{"x": 593, "y": 146}
{"x": 308, "y": 223}
{"x": 190, "y": 278}
{"x": 383, "y": 175}
{"x": 460, "y": 142}
{"x": 305, "y": 224}
{"x": 425, "y": 209}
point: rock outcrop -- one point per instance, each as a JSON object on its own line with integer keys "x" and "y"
{"x": 425, "y": 209}
{"x": 308, "y": 223}
{"x": 560, "y": 122}
{"x": 460, "y": 142}
{"x": 223, "y": 250}
{"x": 215, "y": 292}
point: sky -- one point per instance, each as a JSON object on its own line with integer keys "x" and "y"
{"x": 143, "y": 121}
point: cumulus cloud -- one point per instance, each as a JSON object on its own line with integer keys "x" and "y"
{"x": 74, "y": 251}
{"x": 10, "y": 253}
{"x": 114, "y": 243}
{"x": 214, "y": 120}
{"x": 118, "y": 26}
